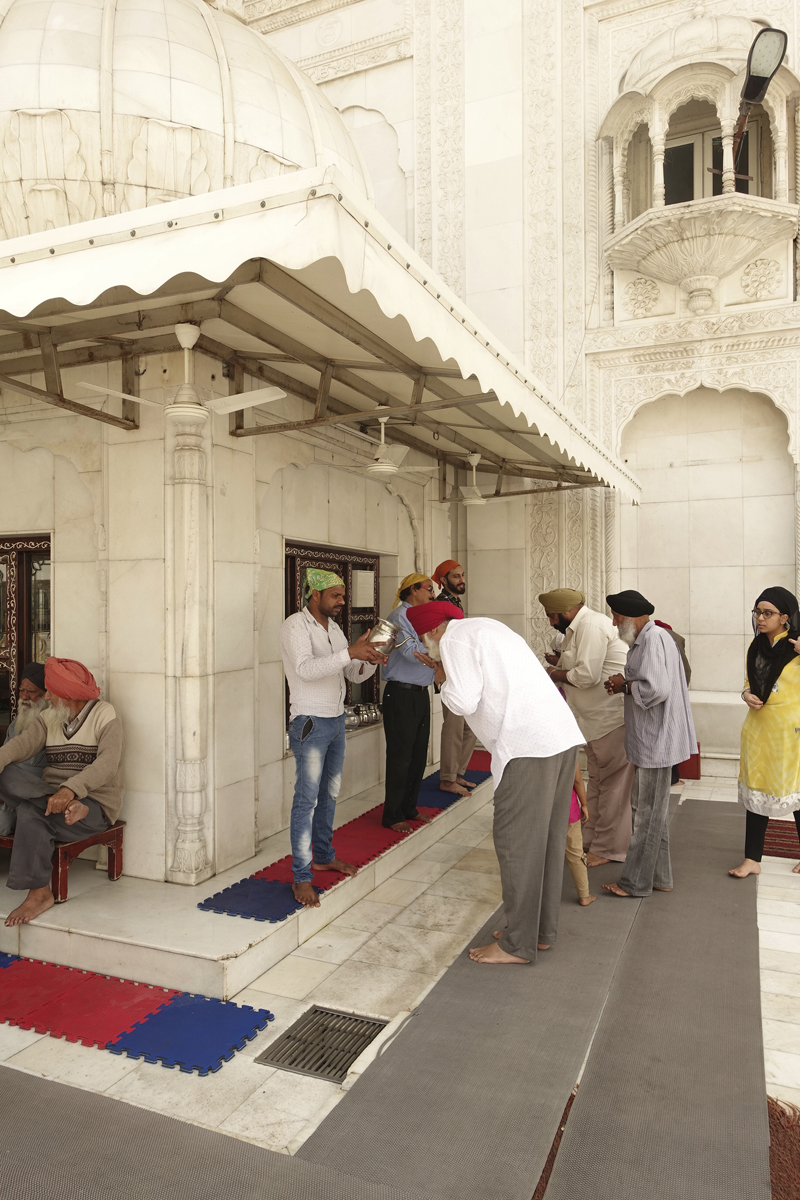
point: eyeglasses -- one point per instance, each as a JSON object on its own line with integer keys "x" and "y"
{"x": 764, "y": 612}
{"x": 425, "y": 587}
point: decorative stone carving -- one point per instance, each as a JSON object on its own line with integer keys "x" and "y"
{"x": 333, "y": 64}
{"x": 724, "y": 39}
{"x": 640, "y": 296}
{"x": 697, "y": 243}
{"x": 43, "y": 174}
{"x": 168, "y": 161}
{"x": 761, "y": 279}
{"x": 543, "y": 544}
{"x": 189, "y": 565}
{"x": 422, "y": 120}
{"x": 449, "y": 164}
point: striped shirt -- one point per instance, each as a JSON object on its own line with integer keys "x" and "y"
{"x": 659, "y": 730}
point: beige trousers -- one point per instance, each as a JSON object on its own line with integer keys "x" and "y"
{"x": 458, "y": 743}
{"x": 576, "y": 860}
{"x": 607, "y": 833}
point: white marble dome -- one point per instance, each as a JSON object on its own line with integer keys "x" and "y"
{"x": 721, "y": 39}
{"x": 111, "y": 105}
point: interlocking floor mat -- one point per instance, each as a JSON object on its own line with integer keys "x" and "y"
{"x": 96, "y": 1010}
{"x": 193, "y": 1033}
{"x": 63, "y": 1143}
{"x": 673, "y": 1101}
{"x": 430, "y": 794}
{"x": 465, "y": 1102}
{"x": 258, "y": 899}
{"x": 7, "y": 959}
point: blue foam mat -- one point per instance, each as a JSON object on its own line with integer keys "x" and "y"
{"x": 260, "y": 899}
{"x": 193, "y": 1033}
{"x": 431, "y": 797}
{"x": 7, "y": 959}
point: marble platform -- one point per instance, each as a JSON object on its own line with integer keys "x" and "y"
{"x": 154, "y": 933}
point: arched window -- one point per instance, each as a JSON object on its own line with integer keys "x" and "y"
{"x": 693, "y": 155}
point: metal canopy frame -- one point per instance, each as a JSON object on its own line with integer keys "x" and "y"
{"x": 119, "y": 326}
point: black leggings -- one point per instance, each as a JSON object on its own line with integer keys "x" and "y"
{"x": 755, "y": 832}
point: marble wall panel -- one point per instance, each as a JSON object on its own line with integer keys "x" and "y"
{"x": 496, "y": 582}
{"x": 272, "y": 712}
{"x": 499, "y": 525}
{"x": 76, "y": 626}
{"x": 136, "y": 616}
{"x": 26, "y": 490}
{"x": 233, "y": 621}
{"x": 362, "y": 762}
{"x": 139, "y": 700}
{"x": 233, "y": 505}
{"x": 381, "y": 511}
{"x": 235, "y": 814}
{"x": 145, "y": 834}
{"x": 305, "y": 505}
{"x": 269, "y": 613}
{"x": 136, "y": 499}
{"x": 234, "y": 732}
{"x": 346, "y": 497}
{"x": 74, "y": 514}
{"x": 272, "y": 813}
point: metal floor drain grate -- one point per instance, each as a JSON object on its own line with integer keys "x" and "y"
{"x": 323, "y": 1042}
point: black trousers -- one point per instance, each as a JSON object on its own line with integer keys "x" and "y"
{"x": 407, "y": 726}
{"x": 755, "y": 831}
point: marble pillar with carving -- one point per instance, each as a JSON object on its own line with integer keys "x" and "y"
{"x": 189, "y": 556}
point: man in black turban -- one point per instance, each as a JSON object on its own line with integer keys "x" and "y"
{"x": 23, "y": 781}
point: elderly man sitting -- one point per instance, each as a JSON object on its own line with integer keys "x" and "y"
{"x": 491, "y": 676}
{"x": 24, "y": 780}
{"x": 82, "y": 787}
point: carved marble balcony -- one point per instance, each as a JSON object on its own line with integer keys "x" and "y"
{"x": 694, "y": 245}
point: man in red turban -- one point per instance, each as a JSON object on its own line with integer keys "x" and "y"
{"x": 82, "y": 786}
{"x": 458, "y": 740}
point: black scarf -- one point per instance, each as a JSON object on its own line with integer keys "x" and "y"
{"x": 765, "y": 662}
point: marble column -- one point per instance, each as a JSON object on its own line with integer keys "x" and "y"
{"x": 189, "y": 559}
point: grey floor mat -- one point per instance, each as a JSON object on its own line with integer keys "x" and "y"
{"x": 62, "y": 1143}
{"x": 466, "y": 1100}
{"x": 673, "y": 1101}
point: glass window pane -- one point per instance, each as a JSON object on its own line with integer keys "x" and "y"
{"x": 679, "y": 174}
{"x": 40, "y": 608}
{"x": 716, "y": 163}
{"x": 363, "y": 593}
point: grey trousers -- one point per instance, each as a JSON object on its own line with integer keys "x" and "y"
{"x": 648, "y": 863}
{"x": 458, "y": 742}
{"x": 531, "y": 817}
{"x": 37, "y": 834}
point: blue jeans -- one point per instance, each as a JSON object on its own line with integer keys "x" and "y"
{"x": 318, "y": 745}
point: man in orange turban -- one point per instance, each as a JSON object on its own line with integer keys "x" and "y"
{"x": 82, "y": 784}
{"x": 458, "y": 740}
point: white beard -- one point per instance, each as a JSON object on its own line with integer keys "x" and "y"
{"x": 627, "y": 631}
{"x": 432, "y": 647}
{"x": 27, "y": 714}
{"x": 62, "y": 714}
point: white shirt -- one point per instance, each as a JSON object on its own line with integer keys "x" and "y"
{"x": 592, "y": 651}
{"x": 316, "y": 662}
{"x": 496, "y": 681}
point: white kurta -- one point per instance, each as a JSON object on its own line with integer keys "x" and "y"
{"x": 496, "y": 681}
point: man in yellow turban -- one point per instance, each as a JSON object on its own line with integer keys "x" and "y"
{"x": 408, "y": 676}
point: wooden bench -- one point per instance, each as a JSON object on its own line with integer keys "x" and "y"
{"x": 65, "y": 852}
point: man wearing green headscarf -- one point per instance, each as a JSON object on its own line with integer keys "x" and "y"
{"x": 317, "y": 660}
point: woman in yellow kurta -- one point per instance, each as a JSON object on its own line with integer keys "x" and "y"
{"x": 769, "y": 778}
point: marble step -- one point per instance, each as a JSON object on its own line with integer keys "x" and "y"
{"x": 154, "y": 933}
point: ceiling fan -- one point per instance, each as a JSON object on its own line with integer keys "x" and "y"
{"x": 388, "y": 460}
{"x": 471, "y": 493}
{"x": 187, "y": 336}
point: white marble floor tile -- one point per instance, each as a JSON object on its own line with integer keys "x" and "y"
{"x": 397, "y": 891}
{"x": 788, "y": 942}
{"x": 782, "y": 1068}
{"x": 779, "y": 960}
{"x": 728, "y": 794}
{"x": 205, "y": 1100}
{"x": 14, "y": 1039}
{"x": 451, "y": 915}
{"x": 443, "y": 851}
{"x": 275, "y": 1113}
{"x": 769, "y": 892}
{"x": 411, "y": 948}
{"x": 777, "y": 907}
{"x": 294, "y": 976}
{"x": 696, "y": 792}
{"x": 284, "y": 1010}
{"x": 371, "y": 990}
{"x": 70, "y": 1062}
{"x": 422, "y": 872}
{"x": 790, "y": 1095}
{"x": 783, "y": 868}
{"x": 367, "y": 915}
{"x": 468, "y": 838}
{"x": 781, "y": 983}
{"x": 776, "y": 1007}
{"x": 483, "y": 861}
{"x": 778, "y": 923}
{"x": 486, "y": 844}
{"x": 782, "y": 1035}
{"x": 334, "y": 944}
{"x": 468, "y": 885}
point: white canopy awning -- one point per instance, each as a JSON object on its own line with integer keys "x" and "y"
{"x": 312, "y": 274}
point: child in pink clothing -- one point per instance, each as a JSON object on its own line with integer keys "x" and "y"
{"x": 576, "y": 857}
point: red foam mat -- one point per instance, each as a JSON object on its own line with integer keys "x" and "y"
{"x": 481, "y": 761}
{"x": 358, "y": 842}
{"x": 27, "y": 985}
{"x": 98, "y": 1010}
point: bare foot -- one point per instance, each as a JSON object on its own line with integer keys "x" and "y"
{"x": 76, "y": 810}
{"x": 465, "y": 782}
{"x": 336, "y": 864}
{"x": 592, "y": 860}
{"x": 748, "y": 867}
{"x": 456, "y": 788}
{"x": 494, "y": 954}
{"x": 586, "y": 900}
{"x": 403, "y": 827}
{"x": 498, "y": 933}
{"x": 796, "y": 870}
{"x": 35, "y": 903}
{"x": 306, "y": 893}
{"x": 616, "y": 890}
{"x": 655, "y": 889}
